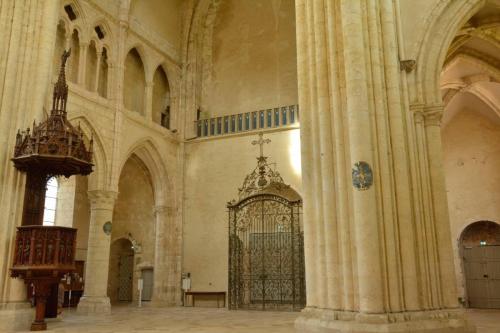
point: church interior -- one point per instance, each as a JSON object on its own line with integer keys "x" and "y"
{"x": 250, "y": 166}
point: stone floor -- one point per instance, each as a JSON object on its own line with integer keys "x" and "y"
{"x": 486, "y": 321}
{"x": 209, "y": 320}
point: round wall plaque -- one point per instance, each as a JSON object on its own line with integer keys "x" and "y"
{"x": 107, "y": 228}
{"x": 362, "y": 176}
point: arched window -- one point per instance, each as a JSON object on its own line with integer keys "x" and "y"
{"x": 91, "y": 66}
{"x": 74, "y": 60}
{"x": 60, "y": 45}
{"x": 102, "y": 84}
{"x": 49, "y": 212}
{"x": 135, "y": 82}
{"x": 161, "y": 98}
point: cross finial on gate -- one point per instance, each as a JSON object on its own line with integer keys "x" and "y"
{"x": 261, "y": 143}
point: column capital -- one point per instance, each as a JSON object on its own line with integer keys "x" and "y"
{"x": 433, "y": 115}
{"x": 102, "y": 199}
{"x": 429, "y": 115}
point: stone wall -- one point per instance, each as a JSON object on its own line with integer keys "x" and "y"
{"x": 215, "y": 169}
{"x": 133, "y": 214}
{"x": 471, "y": 145}
{"x": 250, "y": 59}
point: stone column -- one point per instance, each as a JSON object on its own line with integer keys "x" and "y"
{"x": 432, "y": 122}
{"x": 367, "y": 233}
{"x": 167, "y": 269}
{"x": 84, "y": 46}
{"x": 148, "y": 100}
{"x": 97, "y": 71}
{"x": 359, "y": 114}
{"x": 95, "y": 298}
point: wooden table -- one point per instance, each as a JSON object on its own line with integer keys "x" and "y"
{"x": 219, "y": 294}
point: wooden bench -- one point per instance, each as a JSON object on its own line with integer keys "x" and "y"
{"x": 219, "y": 294}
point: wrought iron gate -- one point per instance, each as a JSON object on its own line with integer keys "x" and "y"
{"x": 266, "y": 247}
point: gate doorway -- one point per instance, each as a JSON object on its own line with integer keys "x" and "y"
{"x": 121, "y": 271}
{"x": 125, "y": 278}
{"x": 480, "y": 246}
{"x": 266, "y": 247}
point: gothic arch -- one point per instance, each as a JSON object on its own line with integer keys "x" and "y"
{"x": 488, "y": 68}
{"x": 97, "y": 179}
{"x": 135, "y": 80}
{"x": 446, "y": 19}
{"x": 198, "y": 41}
{"x": 149, "y": 155}
{"x": 145, "y": 58}
{"x": 64, "y": 22}
{"x": 474, "y": 89}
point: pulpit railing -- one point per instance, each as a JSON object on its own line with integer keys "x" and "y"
{"x": 42, "y": 248}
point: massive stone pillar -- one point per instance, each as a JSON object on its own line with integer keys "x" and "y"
{"x": 95, "y": 298}
{"x": 167, "y": 268}
{"x": 26, "y": 53}
{"x": 375, "y": 215}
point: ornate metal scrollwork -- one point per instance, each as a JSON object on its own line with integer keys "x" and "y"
{"x": 266, "y": 249}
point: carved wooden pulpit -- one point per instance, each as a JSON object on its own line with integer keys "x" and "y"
{"x": 43, "y": 254}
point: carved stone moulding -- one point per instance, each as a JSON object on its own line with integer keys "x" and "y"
{"x": 432, "y": 321}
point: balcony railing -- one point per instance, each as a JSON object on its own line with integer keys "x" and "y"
{"x": 249, "y": 121}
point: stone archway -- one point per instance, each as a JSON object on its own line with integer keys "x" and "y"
{"x": 121, "y": 271}
{"x": 480, "y": 252}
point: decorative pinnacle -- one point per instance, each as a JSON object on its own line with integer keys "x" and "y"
{"x": 60, "y": 95}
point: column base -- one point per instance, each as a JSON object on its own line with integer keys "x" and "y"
{"x": 94, "y": 305}
{"x": 16, "y": 316}
{"x": 437, "y": 321}
{"x": 39, "y": 326}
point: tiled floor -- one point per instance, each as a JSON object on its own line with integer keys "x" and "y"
{"x": 209, "y": 320}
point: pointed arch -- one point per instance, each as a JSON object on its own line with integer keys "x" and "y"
{"x": 147, "y": 151}
{"x": 97, "y": 179}
{"x": 446, "y": 19}
{"x": 134, "y": 82}
{"x": 62, "y": 31}
{"x": 488, "y": 68}
{"x": 102, "y": 83}
{"x": 91, "y": 65}
{"x": 161, "y": 97}
{"x": 145, "y": 58}
{"x": 199, "y": 32}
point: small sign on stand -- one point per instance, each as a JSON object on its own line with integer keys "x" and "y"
{"x": 68, "y": 282}
{"x": 140, "y": 286}
{"x": 186, "y": 286}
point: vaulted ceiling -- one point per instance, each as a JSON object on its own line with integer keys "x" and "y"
{"x": 471, "y": 76}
